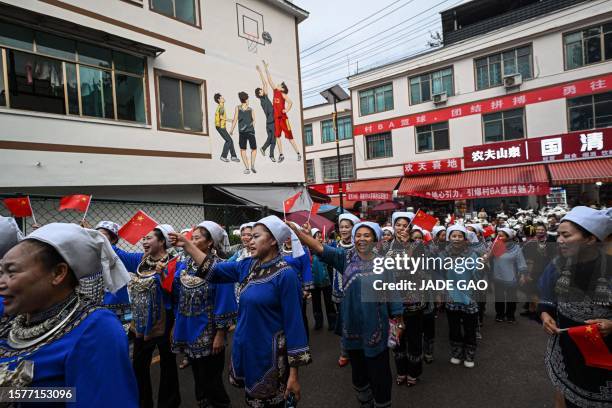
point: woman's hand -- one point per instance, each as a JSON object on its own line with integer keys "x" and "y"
{"x": 218, "y": 342}
{"x": 549, "y": 324}
{"x": 604, "y": 326}
{"x": 178, "y": 240}
{"x": 307, "y": 228}
{"x": 293, "y": 386}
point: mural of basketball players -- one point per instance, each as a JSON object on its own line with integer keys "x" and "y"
{"x": 282, "y": 104}
{"x": 220, "y": 122}
{"x": 266, "y": 105}
{"x": 244, "y": 116}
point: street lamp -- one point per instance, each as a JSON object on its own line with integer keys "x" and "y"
{"x": 333, "y": 95}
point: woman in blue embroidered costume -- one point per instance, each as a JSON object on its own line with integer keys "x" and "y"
{"x": 270, "y": 341}
{"x": 365, "y": 322}
{"x": 204, "y": 312}
{"x": 152, "y": 317}
{"x": 408, "y": 354}
{"x": 436, "y": 245}
{"x": 322, "y": 289}
{"x": 346, "y": 222}
{"x": 240, "y": 251}
{"x": 57, "y": 338}
{"x": 461, "y": 307}
{"x": 10, "y": 235}
{"x": 574, "y": 291}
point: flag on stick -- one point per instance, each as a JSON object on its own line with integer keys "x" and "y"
{"x": 79, "y": 202}
{"x": 499, "y": 247}
{"x": 424, "y": 220}
{"x": 592, "y": 346}
{"x": 136, "y": 228}
{"x": 171, "y": 272}
{"x": 290, "y": 202}
{"x": 19, "y": 206}
{"x": 313, "y": 210}
{"x": 488, "y": 231}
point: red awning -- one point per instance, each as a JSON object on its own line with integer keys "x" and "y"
{"x": 388, "y": 206}
{"x": 501, "y": 182}
{"x": 581, "y": 172}
{"x": 348, "y": 204}
{"x": 372, "y": 190}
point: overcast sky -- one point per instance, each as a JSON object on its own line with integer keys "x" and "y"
{"x": 400, "y": 28}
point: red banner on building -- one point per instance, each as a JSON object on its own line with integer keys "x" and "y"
{"x": 330, "y": 188}
{"x": 370, "y": 196}
{"x": 432, "y": 166}
{"x": 509, "y": 190}
{"x": 515, "y": 100}
{"x": 569, "y": 146}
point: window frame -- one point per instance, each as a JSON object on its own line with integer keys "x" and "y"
{"x": 157, "y": 73}
{"x": 335, "y": 158}
{"x": 78, "y": 63}
{"x": 367, "y": 158}
{"x": 602, "y": 44}
{"x": 431, "y": 131}
{"x": 482, "y": 124}
{"x": 431, "y": 94}
{"x": 138, "y": 3}
{"x": 501, "y": 54}
{"x": 346, "y": 118}
{"x": 196, "y": 5}
{"x": 567, "y": 112}
{"x": 314, "y": 172}
{"x": 361, "y": 114}
{"x": 311, "y": 135}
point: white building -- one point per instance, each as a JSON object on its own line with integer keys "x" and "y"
{"x": 505, "y": 74}
{"x": 117, "y": 98}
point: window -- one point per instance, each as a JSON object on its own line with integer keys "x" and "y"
{"x": 345, "y": 130}
{"x": 308, "y": 135}
{"x": 422, "y": 87}
{"x": 500, "y": 126}
{"x": 375, "y": 100}
{"x": 55, "y": 72}
{"x": 183, "y": 10}
{"x": 180, "y": 103}
{"x": 588, "y": 112}
{"x": 330, "y": 168}
{"x": 432, "y": 137}
{"x": 310, "y": 171}
{"x": 490, "y": 70}
{"x": 379, "y": 146}
{"x": 588, "y": 46}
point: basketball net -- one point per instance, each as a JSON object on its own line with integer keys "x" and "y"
{"x": 252, "y": 44}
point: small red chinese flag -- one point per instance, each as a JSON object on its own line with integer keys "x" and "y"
{"x": 189, "y": 234}
{"x": 79, "y": 202}
{"x": 424, "y": 220}
{"x": 499, "y": 247}
{"x": 171, "y": 271}
{"x": 290, "y": 202}
{"x": 426, "y": 236}
{"x": 488, "y": 231}
{"x": 590, "y": 343}
{"x": 136, "y": 228}
{"x": 19, "y": 206}
{"x": 314, "y": 209}
{"x": 452, "y": 220}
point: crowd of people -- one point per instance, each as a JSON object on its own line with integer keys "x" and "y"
{"x": 67, "y": 289}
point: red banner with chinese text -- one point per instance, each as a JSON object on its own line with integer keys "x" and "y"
{"x": 433, "y": 166}
{"x": 508, "y": 190}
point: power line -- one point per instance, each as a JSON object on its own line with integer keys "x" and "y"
{"x": 348, "y": 28}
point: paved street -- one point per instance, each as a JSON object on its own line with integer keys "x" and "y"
{"x": 509, "y": 373}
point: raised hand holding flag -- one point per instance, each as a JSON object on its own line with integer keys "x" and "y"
{"x": 137, "y": 227}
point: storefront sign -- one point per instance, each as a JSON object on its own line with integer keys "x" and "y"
{"x": 486, "y": 192}
{"x": 569, "y": 146}
{"x": 330, "y": 188}
{"x": 370, "y": 196}
{"x": 516, "y": 100}
{"x": 432, "y": 166}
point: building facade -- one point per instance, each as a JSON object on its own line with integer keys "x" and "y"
{"x": 505, "y": 77}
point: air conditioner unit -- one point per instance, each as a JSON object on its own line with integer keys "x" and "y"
{"x": 440, "y": 98}
{"x": 513, "y": 81}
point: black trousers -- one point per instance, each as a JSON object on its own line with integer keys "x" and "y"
{"x": 462, "y": 334}
{"x": 409, "y": 352}
{"x": 169, "y": 395}
{"x": 271, "y": 140}
{"x": 208, "y": 377}
{"x": 317, "y": 311}
{"x": 429, "y": 332}
{"x": 504, "y": 294}
{"x": 371, "y": 378}
{"x": 228, "y": 146}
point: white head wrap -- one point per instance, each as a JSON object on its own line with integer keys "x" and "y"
{"x": 314, "y": 231}
{"x": 281, "y": 233}
{"x": 456, "y": 227}
{"x": 436, "y": 230}
{"x": 185, "y": 230}
{"x": 109, "y": 226}
{"x": 246, "y": 225}
{"x": 477, "y": 227}
{"x": 401, "y": 214}
{"x": 350, "y": 217}
{"x": 166, "y": 229}
{"x": 86, "y": 251}
{"x": 218, "y": 234}
{"x": 509, "y": 231}
{"x": 597, "y": 222}
{"x": 387, "y": 229}
{"x": 472, "y": 237}
{"x": 10, "y": 235}
{"x": 371, "y": 225}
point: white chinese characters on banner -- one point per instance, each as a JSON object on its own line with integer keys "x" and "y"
{"x": 551, "y": 147}
{"x": 512, "y": 152}
{"x": 591, "y": 141}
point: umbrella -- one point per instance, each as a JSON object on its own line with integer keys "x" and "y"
{"x": 388, "y": 206}
{"x": 316, "y": 221}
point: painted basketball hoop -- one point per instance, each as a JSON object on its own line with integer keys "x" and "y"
{"x": 266, "y": 37}
{"x": 251, "y": 43}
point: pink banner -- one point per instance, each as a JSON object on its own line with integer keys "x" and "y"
{"x": 509, "y": 190}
